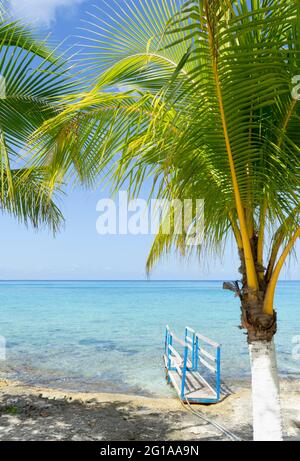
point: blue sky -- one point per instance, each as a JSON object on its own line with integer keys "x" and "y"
{"x": 78, "y": 252}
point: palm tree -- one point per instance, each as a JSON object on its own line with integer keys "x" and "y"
{"x": 32, "y": 81}
{"x": 197, "y": 95}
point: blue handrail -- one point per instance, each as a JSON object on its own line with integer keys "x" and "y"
{"x": 186, "y": 353}
{"x": 201, "y": 359}
{"x": 189, "y": 337}
{"x": 218, "y": 378}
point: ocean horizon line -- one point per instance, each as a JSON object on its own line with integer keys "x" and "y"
{"x": 128, "y": 280}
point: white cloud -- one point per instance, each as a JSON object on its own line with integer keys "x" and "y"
{"x": 41, "y": 12}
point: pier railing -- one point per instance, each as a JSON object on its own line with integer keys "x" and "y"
{"x": 196, "y": 359}
{"x": 208, "y": 359}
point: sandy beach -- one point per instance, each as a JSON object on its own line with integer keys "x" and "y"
{"x": 34, "y": 413}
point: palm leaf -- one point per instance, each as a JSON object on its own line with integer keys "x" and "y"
{"x": 33, "y": 203}
{"x": 34, "y": 78}
{"x": 211, "y": 82}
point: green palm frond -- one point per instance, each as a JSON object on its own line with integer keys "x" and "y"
{"x": 118, "y": 30}
{"x": 205, "y": 82}
{"x": 33, "y": 203}
{"x": 33, "y": 81}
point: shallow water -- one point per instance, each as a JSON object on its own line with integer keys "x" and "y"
{"x": 109, "y": 336}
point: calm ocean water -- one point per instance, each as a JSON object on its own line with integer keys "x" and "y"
{"x": 108, "y": 336}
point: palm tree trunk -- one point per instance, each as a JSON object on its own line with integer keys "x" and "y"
{"x": 267, "y": 418}
{"x": 261, "y": 329}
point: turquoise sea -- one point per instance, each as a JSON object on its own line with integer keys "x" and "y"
{"x": 109, "y": 336}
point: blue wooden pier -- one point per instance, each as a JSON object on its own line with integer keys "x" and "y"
{"x": 193, "y": 366}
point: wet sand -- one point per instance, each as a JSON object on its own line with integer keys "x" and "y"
{"x": 35, "y": 413}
